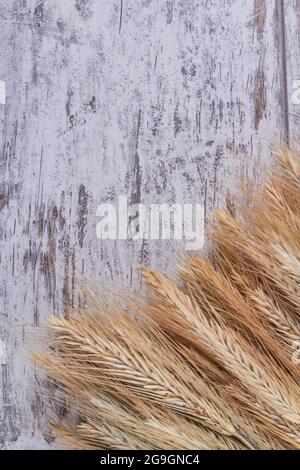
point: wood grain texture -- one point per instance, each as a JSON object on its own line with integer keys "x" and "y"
{"x": 157, "y": 100}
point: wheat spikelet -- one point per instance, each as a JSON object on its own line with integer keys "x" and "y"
{"x": 207, "y": 364}
{"x": 284, "y": 324}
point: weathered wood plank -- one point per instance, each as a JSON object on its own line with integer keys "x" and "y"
{"x": 161, "y": 101}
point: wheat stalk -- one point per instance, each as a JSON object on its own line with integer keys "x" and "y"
{"x": 223, "y": 344}
{"x": 206, "y": 364}
{"x": 135, "y": 369}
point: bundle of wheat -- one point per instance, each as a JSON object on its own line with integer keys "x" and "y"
{"x": 206, "y": 364}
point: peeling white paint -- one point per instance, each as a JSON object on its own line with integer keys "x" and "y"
{"x": 2, "y": 92}
{"x": 2, "y": 352}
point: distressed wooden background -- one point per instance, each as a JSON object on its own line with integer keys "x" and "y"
{"x": 158, "y": 100}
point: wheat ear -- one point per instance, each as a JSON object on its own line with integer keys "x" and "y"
{"x": 224, "y": 345}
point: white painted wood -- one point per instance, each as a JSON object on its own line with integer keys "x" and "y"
{"x": 157, "y": 100}
{"x": 2, "y": 92}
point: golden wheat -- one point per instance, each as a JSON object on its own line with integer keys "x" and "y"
{"x": 204, "y": 364}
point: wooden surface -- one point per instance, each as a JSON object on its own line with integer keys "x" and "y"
{"x": 157, "y": 100}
